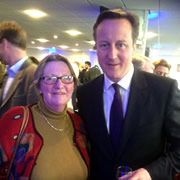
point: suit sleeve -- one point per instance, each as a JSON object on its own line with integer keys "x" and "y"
{"x": 168, "y": 164}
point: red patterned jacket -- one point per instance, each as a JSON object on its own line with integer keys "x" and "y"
{"x": 31, "y": 142}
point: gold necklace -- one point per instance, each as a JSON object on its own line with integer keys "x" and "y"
{"x": 44, "y": 117}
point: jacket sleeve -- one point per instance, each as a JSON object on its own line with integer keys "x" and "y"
{"x": 167, "y": 165}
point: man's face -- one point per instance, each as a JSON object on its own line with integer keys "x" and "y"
{"x": 162, "y": 71}
{"x": 115, "y": 47}
{"x": 86, "y": 66}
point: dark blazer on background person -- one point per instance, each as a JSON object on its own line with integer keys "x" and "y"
{"x": 22, "y": 91}
{"x": 153, "y": 110}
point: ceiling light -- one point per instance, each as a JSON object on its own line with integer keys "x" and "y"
{"x": 40, "y": 48}
{"x": 55, "y": 36}
{"x": 150, "y": 35}
{"x": 73, "y": 32}
{"x": 139, "y": 42}
{"x": 34, "y": 13}
{"x": 75, "y": 50}
{"x": 91, "y": 42}
{"x": 76, "y": 44}
{"x": 92, "y": 50}
{"x": 43, "y": 40}
{"x": 64, "y": 46}
{"x": 32, "y": 42}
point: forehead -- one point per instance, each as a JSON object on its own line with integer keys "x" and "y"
{"x": 114, "y": 27}
{"x": 162, "y": 68}
{"x": 56, "y": 67}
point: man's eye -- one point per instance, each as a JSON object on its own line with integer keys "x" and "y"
{"x": 103, "y": 46}
{"x": 121, "y": 45}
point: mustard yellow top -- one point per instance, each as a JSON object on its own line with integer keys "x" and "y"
{"x": 59, "y": 158}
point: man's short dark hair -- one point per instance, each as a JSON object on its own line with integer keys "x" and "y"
{"x": 14, "y": 33}
{"x": 119, "y": 14}
{"x": 88, "y": 63}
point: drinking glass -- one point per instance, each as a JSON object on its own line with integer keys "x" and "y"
{"x": 123, "y": 170}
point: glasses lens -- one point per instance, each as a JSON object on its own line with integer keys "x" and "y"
{"x": 67, "y": 79}
{"x": 50, "y": 79}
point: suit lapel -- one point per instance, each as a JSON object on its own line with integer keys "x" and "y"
{"x": 13, "y": 87}
{"x": 15, "y": 83}
{"x": 99, "y": 120}
{"x": 1, "y": 89}
{"x": 137, "y": 98}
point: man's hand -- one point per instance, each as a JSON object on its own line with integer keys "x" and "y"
{"x": 139, "y": 174}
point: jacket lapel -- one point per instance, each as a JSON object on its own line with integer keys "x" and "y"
{"x": 99, "y": 120}
{"x": 137, "y": 98}
{"x": 13, "y": 86}
{"x": 1, "y": 89}
{"x": 15, "y": 83}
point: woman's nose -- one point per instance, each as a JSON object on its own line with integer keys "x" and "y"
{"x": 58, "y": 84}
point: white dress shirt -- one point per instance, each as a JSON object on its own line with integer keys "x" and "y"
{"x": 124, "y": 83}
{"x": 12, "y": 71}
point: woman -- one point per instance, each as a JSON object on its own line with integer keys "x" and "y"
{"x": 53, "y": 145}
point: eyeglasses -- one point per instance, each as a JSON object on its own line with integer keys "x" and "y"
{"x": 53, "y": 79}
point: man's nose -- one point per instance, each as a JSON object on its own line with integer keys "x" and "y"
{"x": 113, "y": 52}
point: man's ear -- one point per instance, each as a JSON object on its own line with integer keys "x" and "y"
{"x": 4, "y": 43}
{"x": 134, "y": 49}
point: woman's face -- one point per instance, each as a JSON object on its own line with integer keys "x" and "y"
{"x": 56, "y": 95}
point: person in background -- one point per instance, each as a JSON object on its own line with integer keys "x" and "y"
{"x": 17, "y": 87}
{"x": 130, "y": 116}
{"x": 93, "y": 73}
{"x": 162, "y": 68}
{"x": 143, "y": 63}
{"x": 83, "y": 75}
{"x": 53, "y": 145}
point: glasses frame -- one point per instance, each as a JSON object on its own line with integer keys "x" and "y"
{"x": 61, "y": 78}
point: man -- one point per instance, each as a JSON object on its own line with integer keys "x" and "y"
{"x": 149, "y": 142}
{"x": 17, "y": 88}
{"x": 162, "y": 68}
{"x": 143, "y": 63}
{"x": 83, "y": 75}
{"x": 93, "y": 72}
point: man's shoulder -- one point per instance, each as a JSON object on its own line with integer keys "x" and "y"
{"x": 29, "y": 67}
{"x": 153, "y": 79}
{"x": 93, "y": 83}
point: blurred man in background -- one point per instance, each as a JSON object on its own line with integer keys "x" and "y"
{"x": 17, "y": 87}
{"x": 162, "y": 68}
{"x": 143, "y": 63}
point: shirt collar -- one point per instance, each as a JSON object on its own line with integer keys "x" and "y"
{"x": 125, "y": 82}
{"x": 15, "y": 68}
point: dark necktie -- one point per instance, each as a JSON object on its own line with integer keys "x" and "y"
{"x": 116, "y": 118}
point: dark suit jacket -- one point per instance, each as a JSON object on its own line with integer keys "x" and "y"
{"x": 152, "y": 118}
{"x": 22, "y": 90}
